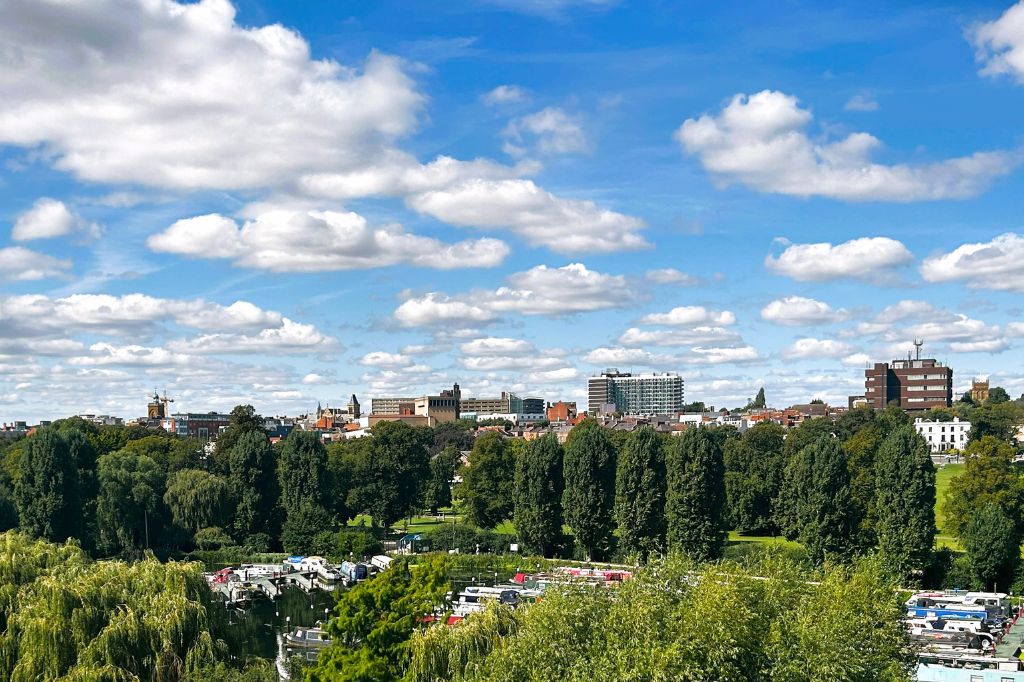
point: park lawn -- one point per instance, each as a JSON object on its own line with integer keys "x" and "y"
{"x": 943, "y": 476}
{"x": 420, "y": 524}
{"x": 778, "y": 540}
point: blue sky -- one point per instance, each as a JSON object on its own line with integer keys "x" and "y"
{"x": 286, "y": 203}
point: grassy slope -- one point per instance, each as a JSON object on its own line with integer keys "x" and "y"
{"x": 942, "y": 478}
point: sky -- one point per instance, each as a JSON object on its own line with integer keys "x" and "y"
{"x": 284, "y": 203}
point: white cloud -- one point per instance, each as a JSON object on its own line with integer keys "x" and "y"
{"x": 689, "y": 316}
{"x": 997, "y": 264}
{"x": 797, "y": 311}
{"x": 51, "y": 218}
{"x": 698, "y": 336}
{"x": 18, "y": 264}
{"x": 178, "y": 95}
{"x": 314, "y": 379}
{"x": 550, "y": 131}
{"x": 539, "y": 217}
{"x": 720, "y": 356}
{"x": 810, "y": 348}
{"x": 504, "y": 94}
{"x": 671, "y": 276}
{"x": 866, "y": 258}
{"x": 861, "y": 102}
{"x": 856, "y": 360}
{"x": 980, "y": 346}
{"x": 290, "y": 337}
{"x": 761, "y": 141}
{"x": 999, "y": 44}
{"x": 383, "y": 359}
{"x": 496, "y": 346}
{"x": 498, "y": 363}
{"x": 612, "y": 357}
{"x": 899, "y": 312}
{"x": 538, "y": 291}
{"x": 311, "y": 241}
{"x": 130, "y": 355}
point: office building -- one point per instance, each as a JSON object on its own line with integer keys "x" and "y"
{"x": 636, "y": 394}
{"x": 914, "y": 384}
{"x": 503, "y": 404}
{"x": 204, "y": 426}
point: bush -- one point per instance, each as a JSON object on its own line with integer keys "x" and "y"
{"x": 357, "y": 542}
{"x": 257, "y": 543}
{"x": 960, "y": 574}
{"x": 467, "y": 539}
{"x": 212, "y": 538}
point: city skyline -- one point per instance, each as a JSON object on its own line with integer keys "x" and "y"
{"x": 278, "y": 205}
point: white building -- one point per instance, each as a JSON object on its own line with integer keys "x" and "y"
{"x": 635, "y": 394}
{"x": 944, "y": 436}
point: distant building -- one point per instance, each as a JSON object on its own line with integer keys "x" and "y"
{"x": 381, "y": 406}
{"x": 561, "y": 411}
{"x": 204, "y": 426}
{"x": 159, "y": 406}
{"x": 433, "y": 409}
{"x": 635, "y": 394}
{"x": 944, "y": 436}
{"x": 503, "y": 404}
{"x": 914, "y": 384}
{"x": 102, "y": 419}
{"x": 979, "y": 390}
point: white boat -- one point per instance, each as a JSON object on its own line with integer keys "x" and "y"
{"x": 381, "y": 562}
{"x": 307, "y": 638}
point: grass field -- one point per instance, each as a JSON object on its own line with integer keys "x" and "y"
{"x": 942, "y": 478}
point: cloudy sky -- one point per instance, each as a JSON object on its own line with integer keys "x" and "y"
{"x": 284, "y": 203}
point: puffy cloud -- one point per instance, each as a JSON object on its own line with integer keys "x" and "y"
{"x": 18, "y": 264}
{"x": 861, "y": 102}
{"x": 671, "y": 276}
{"x": 866, "y": 258}
{"x": 635, "y": 337}
{"x": 539, "y": 217}
{"x": 721, "y": 356}
{"x": 290, "y": 337}
{"x": 999, "y": 44}
{"x": 760, "y": 140}
{"x": 178, "y": 95}
{"x": 310, "y": 241}
{"x": 504, "y": 94}
{"x": 857, "y": 360}
{"x": 50, "y": 218}
{"x": 898, "y": 312}
{"x": 496, "y": 346}
{"x": 313, "y": 379}
{"x": 611, "y": 357}
{"x": 817, "y": 348}
{"x": 689, "y": 316}
{"x": 997, "y": 264}
{"x": 383, "y": 359}
{"x": 130, "y": 355}
{"x": 499, "y": 363}
{"x": 797, "y": 311}
{"x": 980, "y": 346}
{"x": 551, "y": 130}
{"x": 540, "y": 290}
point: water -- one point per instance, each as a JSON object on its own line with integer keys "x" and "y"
{"x": 253, "y": 632}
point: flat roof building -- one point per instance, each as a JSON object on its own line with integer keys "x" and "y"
{"x": 636, "y": 394}
{"x": 914, "y": 384}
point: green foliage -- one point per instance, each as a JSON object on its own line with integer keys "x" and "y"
{"x": 389, "y": 472}
{"x": 861, "y": 450}
{"x": 640, "y": 494}
{"x": 487, "y": 481}
{"x": 762, "y": 621}
{"x": 695, "y": 503}
{"x": 814, "y": 506}
{"x": 996, "y": 395}
{"x": 998, "y": 420}
{"x": 753, "y": 477}
{"x": 302, "y": 525}
{"x": 589, "y": 497}
{"x": 242, "y": 420}
{"x": 759, "y": 401}
{"x": 539, "y": 486}
{"x": 170, "y": 453}
{"x": 47, "y": 491}
{"x": 356, "y": 542}
{"x": 127, "y": 509}
{"x": 302, "y": 472}
{"x": 467, "y": 539}
{"x": 197, "y": 499}
{"x": 988, "y": 477}
{"x": 437, "y": 491}
{"x": 905, "y": 501}
{"x": 252, "y": 484}
{"x": 809, "y": 431}
{"x": 374, "y": 621}
{"x": 992, "y": 543}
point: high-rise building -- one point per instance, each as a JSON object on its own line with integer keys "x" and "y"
{"x": 914, "y": 384}
{"x": 639, "y": 394}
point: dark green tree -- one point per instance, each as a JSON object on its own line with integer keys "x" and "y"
{"x": 47, "y": 491}
{"x": 992, "y": 543}
{"x": 127, "y": 509}
{"x": 998, "y": 420}
{"x": 539, "y": 486}
{"x": 242, "y": 419}
{"x": 196, "y": 499}
{"x": 487, "y": 482}
{"x": 814, "y": 504}
{"x": 809, "y": 431}
{"x": 905, "y": 501}
{"x": 759, "y": 401}
{"x": 589, "y": 498}
{"x": 695, "y": 503}
{"x": 302, "y": 474}
{"x": 302, "y": 525}
{"x": 437, "y": 492}
{"x": 640, "y": 494}
{"x": 988, "y": 477}
{"x": 252, "y": 485}
{"x": 754, "y": 467}
{"x": 861, "y": 449}
{"x": 998, "y": 394}
{"x": 389, "y": 472}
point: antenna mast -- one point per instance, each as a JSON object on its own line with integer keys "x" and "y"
{"x": 917, "y": 344}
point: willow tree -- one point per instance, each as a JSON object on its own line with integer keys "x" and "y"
{"x": 130, "y": 488}
{"x": 47, "y": 491}
{"x": 197, "y": 499}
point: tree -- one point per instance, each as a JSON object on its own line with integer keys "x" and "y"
{"x": 242, "y": 419}
{"x": 170, "y": 453}
{"x": 252, "y": 484}
{"x": 997, "y": 394}
{"x": 754, "y": 467}
{"x": 127, "y": 509}
{"x": 992, "y": 543}
{"x": 389, "y": 472}
{"x": 815, "y": 503}
{"x": 905, "y": 501}
{"x": 998, "y": 420}
{"x": 640, "y": 494}
{"x": 487, "y": 482}
{"x": 374, "y": 621}
{"x": 861, "y": 450}
{"x": 47, "y": 490}
{"x": 197, "y": 499}
{"x": 437, "y": 491}
{"x": 759, "y": 401}
{"x": 302, "y": 471}
{"x": 695, "y": 501}
{"x": 589, "y": 497}
{"x": 539, "y": 486}
{"x": 988, "y": 477}
{"x": 302, "y": 525}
